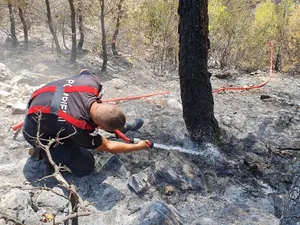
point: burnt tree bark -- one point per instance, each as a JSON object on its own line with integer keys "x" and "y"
{"x": 63, "y": 34}
{"x": 73, "y": 27}
{"x": 291, "y": 212}
{"x": 25, "y": 28}
{"x": 51, "y": 27}
{"x": 278, "y": 61}
{"x": 117, "y": 28}
{"x": 196, "y": 90}
{"x": 81, "y": 29}
{"x": 103, "y": 42}
{"x": 12, "y": 24}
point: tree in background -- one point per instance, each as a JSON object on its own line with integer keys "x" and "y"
{"x": 12, "y": 24}
{"x": 228, "y": 28}
{"x": 21, "y": 6}
{"x": 80, "y": 26}
{"x": 117, "y": 28}
{"x": 196, "y": 91}
{"x": 293, "y": 57}
{"x": 73, "y": 27}
{"x": 238, "y": 30}
{"x": 51, "y": 27}
{"x": 160, "y": 22}
{"x": 103, "y": 34}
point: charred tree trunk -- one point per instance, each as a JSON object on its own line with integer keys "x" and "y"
{"x": 12, "y": 25}
{"x": 278, "y": 61}
{"x": 81, "y": 29}
{"x": 73, "y": 25}
{"x": 291, "y": 212}
{"x": 104, "y": 50}
{"x": 196, "y": 90}
{"x": 118, "y": 22}
{"x": 25, "y": 28}
{"x": 51, "y": 27}
{"x": 63, "y": 35}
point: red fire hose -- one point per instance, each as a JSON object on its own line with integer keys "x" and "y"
{"x": 119, "y": 134}
{"x": 256, "y": 86}
{"x": 20, "y": 124}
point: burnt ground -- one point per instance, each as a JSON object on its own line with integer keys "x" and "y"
{"x": 245, "y": 180}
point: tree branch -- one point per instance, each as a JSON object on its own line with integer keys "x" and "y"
{"x": 74, "y": 197}
{"x": 9, "y": 218}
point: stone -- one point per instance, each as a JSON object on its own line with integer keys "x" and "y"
{"x": 138, "y": 182}
{"x": 106, "y": 196}
{"x": 19, "y": 108}
{"x": 157, "y": 212}
{"x": 5, "y": 73}
{"x": 40, "y": 68}
{"x": 48, "y": 200}
{"x": 180, "y": 174}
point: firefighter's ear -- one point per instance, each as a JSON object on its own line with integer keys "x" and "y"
{"x": 98, "y": 100}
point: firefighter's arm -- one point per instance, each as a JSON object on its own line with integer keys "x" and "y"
{"x": 120, "y": 147}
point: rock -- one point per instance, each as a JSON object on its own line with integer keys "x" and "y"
{"x": 17, "y": 80}
{"x": 263, "y": 97}
{"x": 256, "y": 72}
{"x": 138, "y": 182}
{"x": 178, "y": 173}
{"x": 4, "y": 94}
{"x": 5, "y": 87}
{"x": 157, "y": 212}
{"x": 112, "y": 167}
{"x": 106, "y": 196}
{"x": 5, "y": 73}
{"x": 50, "y": 201}
{"x": 204, "y": 221}
{"x": 223, "y": 75}
{"x": 279, "y": 203}
{"x": 19, "y": 108}
{"x": 18, "y": 201}
{"x": 40, "y": 68}
{"x": 116, "y": 83}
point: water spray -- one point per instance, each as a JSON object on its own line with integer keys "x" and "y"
{"x": 156, "y": 145}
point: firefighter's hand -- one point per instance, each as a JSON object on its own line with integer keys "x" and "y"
{"x": 143, "y": 144}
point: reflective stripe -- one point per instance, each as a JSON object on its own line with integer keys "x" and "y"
{"x": 54, "y": 109}
{"x": 72, "y": 120}
{"x": 43, "y": 90}
{"x": 67, "y": 89}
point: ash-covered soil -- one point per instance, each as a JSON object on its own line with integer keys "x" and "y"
{"x": 243, "y": 181}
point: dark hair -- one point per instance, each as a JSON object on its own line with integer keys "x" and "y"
{"x": 110, "y": 115}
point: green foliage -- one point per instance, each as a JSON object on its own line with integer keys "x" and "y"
{"x": 293, "y": 61}
{"x": 227, "y": 33}
{"x": 266, "y": 19}
{"x": 239, "y": 30}
{"x": 154, "y": 25}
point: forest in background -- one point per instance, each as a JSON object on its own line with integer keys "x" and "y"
{"x": 148, "y": 30}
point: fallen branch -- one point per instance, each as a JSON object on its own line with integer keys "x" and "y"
{"x": 71, "y": 216}
{"x": 74, "y": 197}
{"x": 43, "y": 189}
{"x": 288, "y": 149}
{"x": 10, "y": 218}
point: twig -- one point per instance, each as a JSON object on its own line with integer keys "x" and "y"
{"x": 72, "y": 216}
{"x": 10, "y": 218}
{"x": 288, "y": 149}
{"x": 44, "y": 188}
{"x": 74, "y": 197}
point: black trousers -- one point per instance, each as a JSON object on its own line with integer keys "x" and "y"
{"x": 78, "y": 159}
